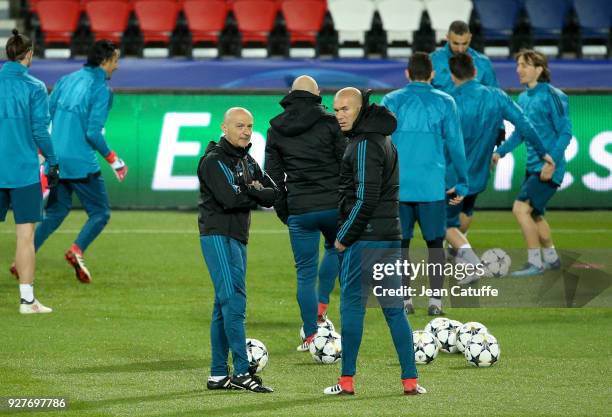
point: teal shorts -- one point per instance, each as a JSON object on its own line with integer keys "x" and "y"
{"x": 537, "y": 192}
{"x": 466, "y": 207}
{"x": 431, "y": 216}
{"x": 27, "y": 203}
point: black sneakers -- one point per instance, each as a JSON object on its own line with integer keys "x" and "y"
{"x": 250, "y": 383}
{"x": 225, "y": 383}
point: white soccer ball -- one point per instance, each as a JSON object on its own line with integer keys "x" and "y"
{"x": 482, "y": 351}
{"x": 447, "y": 336}
{"x": 433, "y": 325}
{"x": 326, "y": 346}
{"x": 327, "y": 324}
{"x": 257, "y": 354}
{"x": 466, "y": 332}
{"x": 425, "y": 347}
{"x": 497, "y": 262}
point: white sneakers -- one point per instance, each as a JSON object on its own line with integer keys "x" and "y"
{"x": 34, "y": 308}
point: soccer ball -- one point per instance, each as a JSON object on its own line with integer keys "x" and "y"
{"x": 326, "y": 347}
{"x": 257, "y": 354}
{"x": 327, "y": 324}
{"x": 497, "y": 262}
{"x": 466, "y": 332}
{"x": 425, "y": 347}
{"x": 433, "y": 326}
{"x": 447, "y": 336}
{"x": 482, "y": 351}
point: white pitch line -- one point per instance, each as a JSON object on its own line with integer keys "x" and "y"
{"x": 280, "y": 231}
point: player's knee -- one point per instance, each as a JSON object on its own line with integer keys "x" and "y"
{"x": 102, "y": 218}
{"x": 521, "y": 209}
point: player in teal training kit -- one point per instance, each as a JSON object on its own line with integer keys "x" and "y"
{"x": 548, "y": 109}
{"x": 458, "y": 41}
{"x": 480, "y": 109}
{"x": 79, "y": 105}
{"x": 369, "y": 233}
{"x": 427, "y": 126}
{"x": 24, "y": 124}
{"x": 231, "y": 185}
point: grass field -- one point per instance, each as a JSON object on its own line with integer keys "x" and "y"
{"x": 135, "y": 342}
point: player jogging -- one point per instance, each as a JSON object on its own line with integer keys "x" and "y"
{"x": 79, "y": 105}
{"x": 548, "y": 110}
{"x": 480, "y": 109}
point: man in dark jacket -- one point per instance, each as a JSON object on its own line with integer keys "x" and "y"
{"x": 231, "y": 185}
{"x": 305, "y": 145}
{"x": 369, "y": 232}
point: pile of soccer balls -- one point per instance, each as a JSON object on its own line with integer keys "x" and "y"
{"x": 479, "y": 347}
{"x": 326, "y": 347}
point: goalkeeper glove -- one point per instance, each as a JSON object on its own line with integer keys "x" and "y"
{"x": 118, "y": 166}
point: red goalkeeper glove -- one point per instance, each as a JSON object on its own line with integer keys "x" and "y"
{"x": 119, "y": 167}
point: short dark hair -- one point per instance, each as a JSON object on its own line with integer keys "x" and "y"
{"x": 99, "y": 52}
{"x": 459, "y": 27}
{"x": 18, "y": 46}
{"x": 419, "y": 67}
{"x": 537, "y": 59}
{"x": 462, "y": 66}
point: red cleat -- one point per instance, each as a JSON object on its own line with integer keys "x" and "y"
{"x": 74, "y": 256}
{"x": 411, "y": 387}
{"x": 343, "y": 387}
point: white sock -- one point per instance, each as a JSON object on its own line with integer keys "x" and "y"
{"x": 27, "y": 292}
{"x": 550, "y": 255}
{"x": 534, "y": 257}
{"x": 435, "y": 302}
{"x": 467, "y": 254}
{"x": 216, "y": 378}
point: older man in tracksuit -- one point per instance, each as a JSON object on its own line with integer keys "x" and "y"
{"x": 303, "y": 154}
{"x": 231, "y": 185}
{"x": 369, "y": 233}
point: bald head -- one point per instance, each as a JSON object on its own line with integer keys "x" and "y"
{"x": 237, "y": 126}
{"x": 347, "y": 105}
{"x": 305, "y": 83}
{"x": 236, "y": 112}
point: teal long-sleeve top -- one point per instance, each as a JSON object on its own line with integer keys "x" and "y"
{"x": 427, "y": 123}
{"x": 548, "y": 110}
{"x": 24, "y": 126}
{"x": 481, "y": 110}
{"x": 442, "y": 79}
{"x": 79, "y": 105}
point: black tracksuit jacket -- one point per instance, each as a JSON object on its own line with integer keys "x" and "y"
{"x": 305, "y": 143}
{"x": 369, "y": 179}
{"x": 226, "y": 196}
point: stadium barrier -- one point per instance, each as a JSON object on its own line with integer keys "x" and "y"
{"x": 161, "y": 136}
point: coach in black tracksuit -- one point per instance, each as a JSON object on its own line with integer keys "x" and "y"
{"x": 369, "y": 231}
{"x": 231, "y": 185}
{"x": 306, "y": 145}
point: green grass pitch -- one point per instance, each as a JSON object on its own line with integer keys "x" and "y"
{"x": 136, "y": 342}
